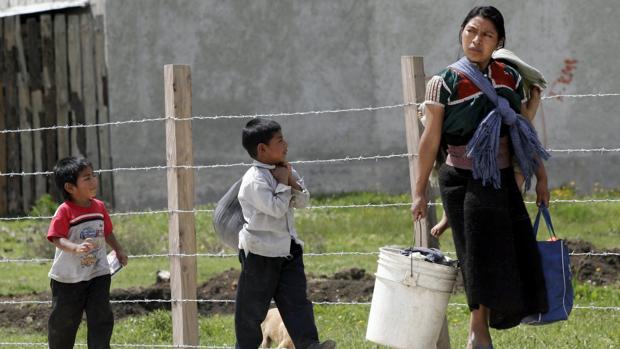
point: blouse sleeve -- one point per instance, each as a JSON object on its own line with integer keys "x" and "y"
{"x": 437, "y": 92}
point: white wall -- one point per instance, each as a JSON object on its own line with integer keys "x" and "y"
{"x": 266, "y": 56}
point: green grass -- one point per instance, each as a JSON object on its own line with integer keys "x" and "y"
{"x": 347, "y": 325}
{"x": 323, "y": 230}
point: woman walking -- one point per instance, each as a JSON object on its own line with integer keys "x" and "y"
{"x": 472, "y": 111}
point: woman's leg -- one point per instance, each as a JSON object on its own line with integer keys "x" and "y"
{"x": 479, "y": 335}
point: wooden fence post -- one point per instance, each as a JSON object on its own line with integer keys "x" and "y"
{"x": 181, "y": 225}
{"x": 25, "y": 119}
{"x": 105, "y": 159}
{"x": 414, "y": 87}
{"x": 62, "y": 85}
{"x": 89, "y": 92}
{"x": 32, "y": 48}
{"x": 3, "y": 138}
{"x": 76, "y": 107}
{"x": 11, "y": 109}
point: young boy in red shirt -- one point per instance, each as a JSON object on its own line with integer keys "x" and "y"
{"x": 80, "y": 274}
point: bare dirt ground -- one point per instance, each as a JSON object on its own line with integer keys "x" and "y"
{"x": 347, "y": 285}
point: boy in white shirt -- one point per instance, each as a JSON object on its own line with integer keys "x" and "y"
{"x": 271, "y": 254}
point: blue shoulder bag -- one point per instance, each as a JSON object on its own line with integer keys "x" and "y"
{"x": 556, "y": 268}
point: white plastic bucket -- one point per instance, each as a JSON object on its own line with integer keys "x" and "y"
{"x": 409, "y": 301}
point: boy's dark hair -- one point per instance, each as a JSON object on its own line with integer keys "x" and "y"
{"x": 67, "y": 170}
{"x": 258, "y": 131}
{"x": 492, "y": 14}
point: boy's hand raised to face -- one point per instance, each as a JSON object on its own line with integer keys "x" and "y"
{"x": 282, "y": 173}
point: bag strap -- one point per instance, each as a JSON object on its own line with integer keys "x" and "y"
{"x": 544, "y": 211}
{"x": 475, "y": 75}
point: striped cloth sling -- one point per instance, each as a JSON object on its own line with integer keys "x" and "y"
{"x": 484, "y": 145}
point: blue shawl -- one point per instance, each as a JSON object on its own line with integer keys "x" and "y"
{"x": 484, "y": 145}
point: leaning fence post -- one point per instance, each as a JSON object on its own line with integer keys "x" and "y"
{"x": 181, "y": 225}
{"x": 414, "y": 87}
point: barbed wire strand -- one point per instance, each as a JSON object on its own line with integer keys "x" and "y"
{"x": 581, "y": 95}
{"x": 266, "y": 115}
{"x": 317, "y": 254}
{"x": 315, "y": 207}
{"x": 601, "y": 150}
{"x": 232, "y": 301}
{"x": 202, "y": 167}
{"x": 214, "y": 117}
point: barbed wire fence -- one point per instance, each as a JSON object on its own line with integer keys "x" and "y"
{"x": 316, "y": 113}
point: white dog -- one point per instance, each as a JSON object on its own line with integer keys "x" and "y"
{"x": 274, "y": 331}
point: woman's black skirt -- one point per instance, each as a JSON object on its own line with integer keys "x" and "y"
{"x": 495, "y": 246}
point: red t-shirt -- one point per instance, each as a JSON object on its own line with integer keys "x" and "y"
{"x": 77, "y": 224}
{"x": 69, "y": 214}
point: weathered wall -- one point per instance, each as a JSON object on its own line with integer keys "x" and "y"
{"x": 267, "y": 56}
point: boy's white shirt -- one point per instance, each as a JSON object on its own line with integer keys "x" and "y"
{"x": 268, "y": 210}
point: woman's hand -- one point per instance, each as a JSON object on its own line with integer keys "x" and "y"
{"x": 419, "y": 207}
{"x": 542, "y": 193}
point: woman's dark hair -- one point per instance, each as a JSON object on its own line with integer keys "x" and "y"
{"x": 490, "y": 13}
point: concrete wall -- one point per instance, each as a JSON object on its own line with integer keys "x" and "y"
{"x": 277, "y": 56}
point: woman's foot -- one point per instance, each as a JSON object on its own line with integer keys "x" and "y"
{"x": 474, "y": 343}
{"x": 440, "y": 227}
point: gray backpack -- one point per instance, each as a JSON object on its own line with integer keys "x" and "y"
{"x": 228, "y": 217}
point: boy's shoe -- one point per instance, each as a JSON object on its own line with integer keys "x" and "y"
{"x": 328, "y": 344}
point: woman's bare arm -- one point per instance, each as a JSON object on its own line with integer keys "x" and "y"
{"x": 427, "y": 153}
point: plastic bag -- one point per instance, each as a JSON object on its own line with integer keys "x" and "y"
{"x": 228, "y": 218}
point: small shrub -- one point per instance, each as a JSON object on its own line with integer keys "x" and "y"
{"x": 44, "y": 206}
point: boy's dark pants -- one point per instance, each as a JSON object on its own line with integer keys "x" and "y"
{"x": 284, "y": 280}
{"x": 69, "y": 300}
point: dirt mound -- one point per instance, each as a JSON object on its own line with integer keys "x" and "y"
{"x": 344, "y": 286}
{"x": 25, "y": 315}
{"x": 348, "y": 285}
{"x": 598, "y": 270}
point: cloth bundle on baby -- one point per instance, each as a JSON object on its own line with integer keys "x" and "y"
{"x": 531, "y": 76}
